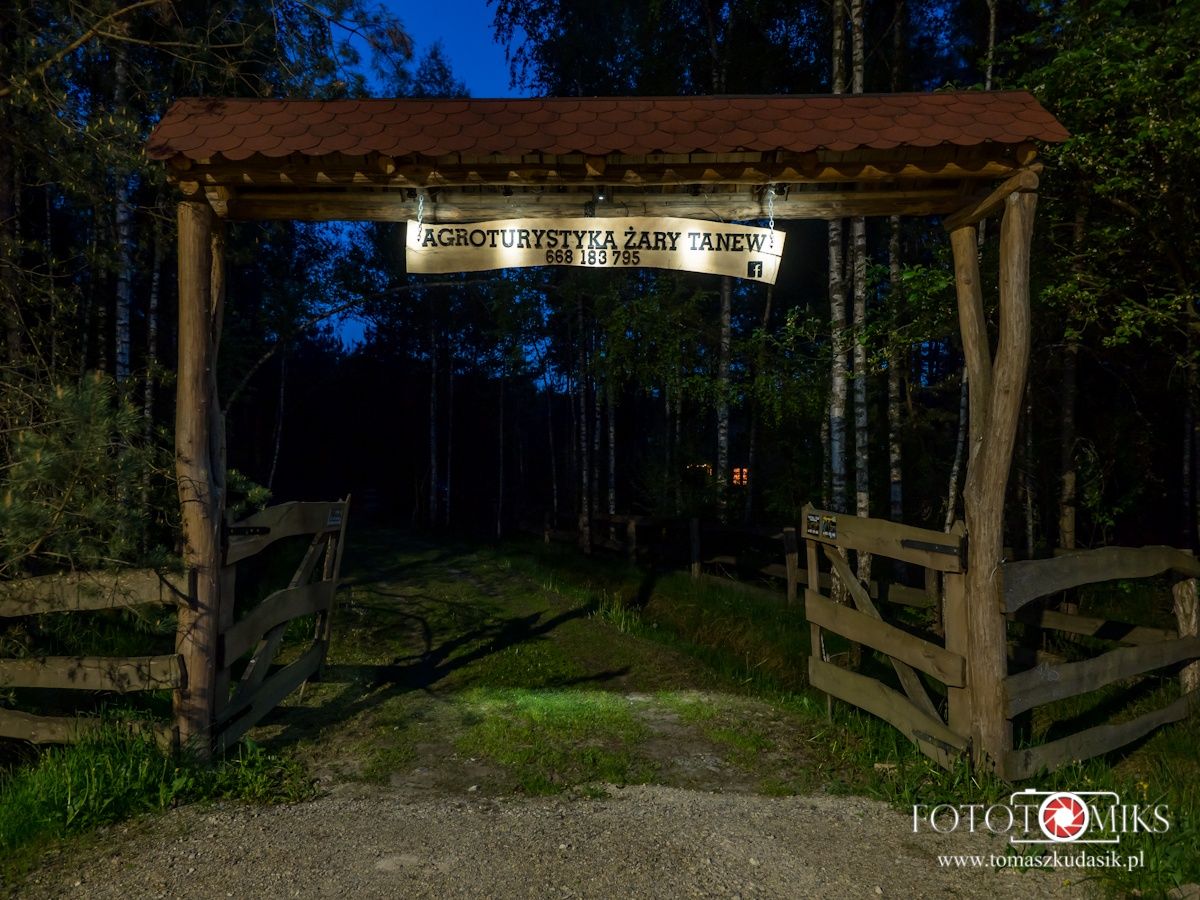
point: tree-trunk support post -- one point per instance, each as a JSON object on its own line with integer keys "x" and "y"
{"x": 996, "y": 390}
{"x": 199, "y": 467}
{"x": 1187, "y": 614}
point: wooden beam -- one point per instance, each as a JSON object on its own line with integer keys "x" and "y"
{"x": 1020, "y": 764}
{"x": 198, "y": 481}
{"x": 1026, "y": 580}
{"x": 1046, "y": 684}
{"x": 943, "y": 665}
{"x": 909, "y": 680}
{"x": 279, "y": 607}
{"x": 80, "y": 591}
{"x": 1105, "y": 629}
{"x": 980, "y": 209}
{"x": 92, "y": 673}
{"x": 242, "y": 715}
{"x": 22, "y": 726}
{"x": 586, "y": 172}
{"x": 396, "y": 206}
{"x": 920, "y": 546}
{"x": 285, "y": 520}
{"x": 928, "y": 732}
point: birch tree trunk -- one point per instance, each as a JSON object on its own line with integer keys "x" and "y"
{"x": 837, "y": 305}
{"x": 433, "y": 416}
{"x": 125, "y": 238}
{"x": 553, "y": 454}
{"x": 722, "y": 472}
{"x": 612, "y": 449}
{"x": 585, "y": 510}
{"x": 152, "y": 331}
{"x": 500, "y": 466}
{"x": 752, "y": 454}
{"x": 895, "y": 456}
{"x": 1068, "y": 390}
{"x": 862, "y": 434}
{"x": 449, "y": 437}
{"x": 898, "y": 356}
{"x": 8, "y": 298}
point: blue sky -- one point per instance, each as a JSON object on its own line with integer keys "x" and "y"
{"x": 465, "y": 29}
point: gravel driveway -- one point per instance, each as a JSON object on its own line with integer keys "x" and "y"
{"x": 646, "y": 841}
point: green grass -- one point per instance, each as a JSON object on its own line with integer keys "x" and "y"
{"x": 759, "y": 645}
{"x": 114, "y": 775}
{"x": 554, "y": 740}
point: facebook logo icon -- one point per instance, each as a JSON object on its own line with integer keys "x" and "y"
{"x": 754, "y": 269}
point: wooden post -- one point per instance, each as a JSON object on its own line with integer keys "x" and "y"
{"x": 1187, "y": 613}
{"x": 791, "y": 562}
{"x": 631, "y": 539}
{"x": 199, "y": 467}
{"x": 996, "y": 391}
{"x": 955, "y": 623}
{"x": 695, "y": 535}
{"x": 813, "y": 579}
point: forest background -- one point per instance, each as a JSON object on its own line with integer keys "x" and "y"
{"x": 476, "y": 403}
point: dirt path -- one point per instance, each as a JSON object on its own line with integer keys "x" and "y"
{"x": 466, "y": 744}
{"x": 646, "y": 841}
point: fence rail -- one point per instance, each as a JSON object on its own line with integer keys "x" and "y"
{"x": 1145, "y": 649}
{"x": 259, "y": 632}
{"x": 75, "y": 592}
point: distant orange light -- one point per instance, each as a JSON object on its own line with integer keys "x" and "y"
{"x": 741, "y": 476}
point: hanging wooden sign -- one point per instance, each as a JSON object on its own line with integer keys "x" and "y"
{"x": 687, "y": 245}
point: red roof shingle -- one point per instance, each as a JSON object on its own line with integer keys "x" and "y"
{"x": 203, "y": 129}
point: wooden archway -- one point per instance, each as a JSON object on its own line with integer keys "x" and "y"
{"x": 703, "y": 157}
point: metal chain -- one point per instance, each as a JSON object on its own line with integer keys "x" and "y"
{"x": 771, "y": 206}
{"x": 420, "y": 209}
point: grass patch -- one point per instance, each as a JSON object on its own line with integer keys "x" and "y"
{"x": 552, "y": 740}
{"x": 114, "y": 775}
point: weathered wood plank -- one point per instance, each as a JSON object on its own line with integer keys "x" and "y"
{"x": 281, "y": 606}
{"x": 791, "y": 566}
{"x": 92, "y": 673}
{"x": 1106, "y": 629}
{"x": 1020, "y": 764}
{"x": 927, "y": 732}
{"x": 873, "y": 632}
{"x": 909, "y": 680}
{"x": 1045, "y": 684}
{"x": 396, "y": 206}
{"x": 83, "y": 591}
{"x": 954, "y": 624}
{"x": 979, "y": 209}
{"x": 921, "y": 546}
{"x": 242, "y": 715}
{"x": 44, "y": 729}
{"x": 903, "y": 595}
{"x": 1026, "y": 580}
{"x": 285, "y": 520}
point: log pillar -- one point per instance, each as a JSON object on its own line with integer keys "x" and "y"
{"x": 996, "y": 389}
{"x": 199, "y": 467}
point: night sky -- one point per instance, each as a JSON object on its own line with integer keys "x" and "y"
{"x": 465, "y": 29}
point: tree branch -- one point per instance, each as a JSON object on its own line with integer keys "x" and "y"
{"x": 41, "y": 68}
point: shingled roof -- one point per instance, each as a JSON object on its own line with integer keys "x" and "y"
{"x": 199, "y": 129}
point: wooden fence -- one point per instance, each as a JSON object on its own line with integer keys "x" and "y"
{"x": 83, "y": 592}
{"x": 254, "y": 634}
{"x": 911, "y": 710}
{"x": 242, "y": 702}
{"x": 1144, "y": 649}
